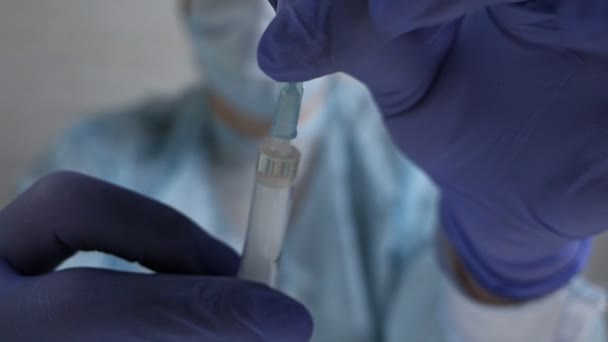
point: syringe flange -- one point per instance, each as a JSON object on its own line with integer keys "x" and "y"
{"x": 278, "y": 166}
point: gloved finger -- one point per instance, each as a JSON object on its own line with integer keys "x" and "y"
{"x": 294, "y": 47}
{"x": 311, "y": 38}
{"x": 67, "y": 212}
{"x": 102, "y": 305}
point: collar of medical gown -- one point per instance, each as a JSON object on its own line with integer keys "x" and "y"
{"x": 357, "y": 249}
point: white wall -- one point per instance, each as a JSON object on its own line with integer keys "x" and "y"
{"x": 61, "y": 59}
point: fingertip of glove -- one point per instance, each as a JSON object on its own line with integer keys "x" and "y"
{"x": 281, "y": 318}
{"x": 282, "y": 67}
{"x": 228, "y": 265}
{"x": 276, "y": 58}
{"x": 215, "y": 257}
{"x": 291, "y": 49}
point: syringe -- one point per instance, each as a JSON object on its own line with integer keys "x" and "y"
{"x": 276, "y": 170}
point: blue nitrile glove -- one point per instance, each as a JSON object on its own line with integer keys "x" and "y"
{"x": 192, "y": 300}
{"x": 503, "y": 104}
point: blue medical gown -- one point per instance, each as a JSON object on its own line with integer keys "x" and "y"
{"x": 358, "y": 251}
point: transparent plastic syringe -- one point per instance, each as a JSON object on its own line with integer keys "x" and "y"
{"x": 276, "y": 170}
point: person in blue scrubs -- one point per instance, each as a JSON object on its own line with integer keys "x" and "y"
{"x": 362, "y": 252}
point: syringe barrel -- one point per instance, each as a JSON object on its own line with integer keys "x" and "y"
{"x": 267, "y": 223}
{"x": 269, "y": 214}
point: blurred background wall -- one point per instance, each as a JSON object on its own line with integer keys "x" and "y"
{"x": 61, "y": 60}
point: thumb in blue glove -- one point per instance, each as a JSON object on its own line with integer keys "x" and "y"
{"x": 193, "y": 299}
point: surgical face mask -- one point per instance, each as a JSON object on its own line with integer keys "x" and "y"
{"x": 225, "y": 35}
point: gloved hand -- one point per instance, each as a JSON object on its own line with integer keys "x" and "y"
{"x": 502, "y": 104}
{"x": 192, "y": 300}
